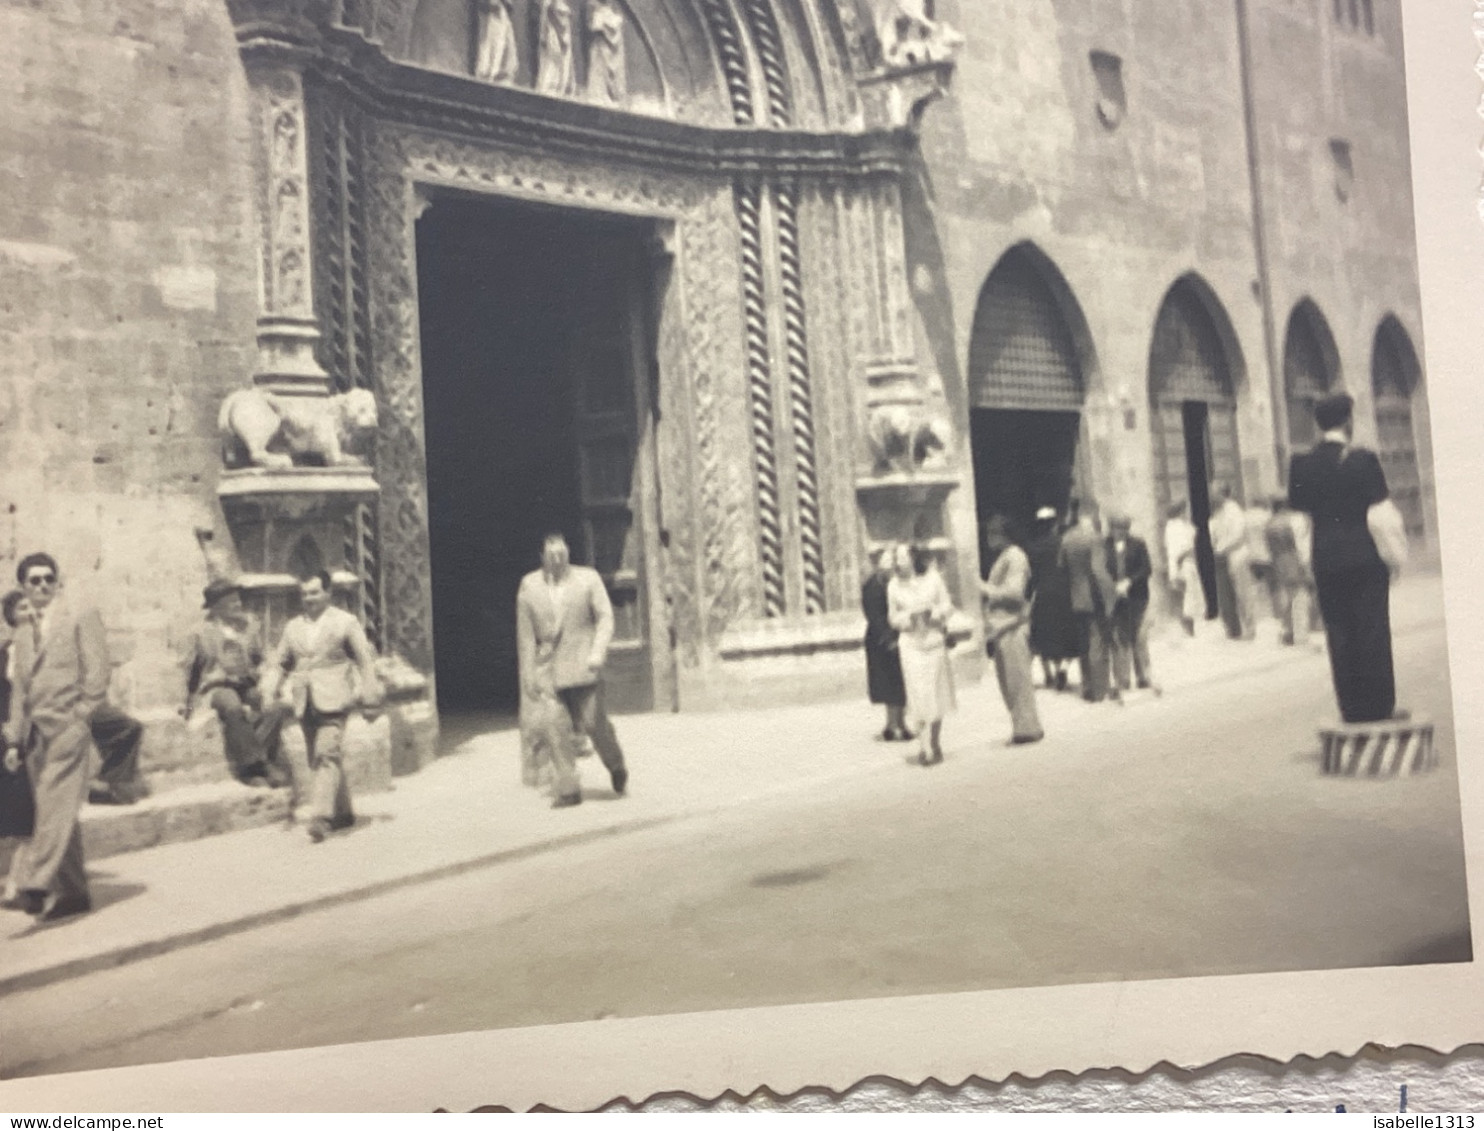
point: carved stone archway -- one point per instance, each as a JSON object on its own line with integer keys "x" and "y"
{"x": 787, "y": 323}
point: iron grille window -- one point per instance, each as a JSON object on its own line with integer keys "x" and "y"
{"x": 1022, "y": 353}
{"x": 1186, "y": 361}
{"x": 1306, "y": 379}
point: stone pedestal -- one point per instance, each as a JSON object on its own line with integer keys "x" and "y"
{"x": 903, "y": 494}
{"x": 410, "y": 714}
{"x": 289, "y": 523}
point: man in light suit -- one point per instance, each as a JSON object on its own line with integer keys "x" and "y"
{"x": 564, "y": 624}
{"x": 61, "y": 674}
{"x": 321, "y": 651}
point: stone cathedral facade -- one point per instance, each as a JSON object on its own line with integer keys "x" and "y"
{"x": 728, "y": 291}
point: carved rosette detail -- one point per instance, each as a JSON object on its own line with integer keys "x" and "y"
{"x": 760, "y": 390}
{"x": 801, "y": 398}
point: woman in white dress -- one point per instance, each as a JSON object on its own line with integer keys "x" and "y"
{"x": 919, "y": 607}
{"x": 1185, "y": 573}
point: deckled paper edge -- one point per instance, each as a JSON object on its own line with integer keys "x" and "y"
{"x": 1132, "y": 1029}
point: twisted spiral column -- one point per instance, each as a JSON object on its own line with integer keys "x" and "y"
{"x": 760, "y": 396}
{"x": 801, "y": 397}
{"x": 769, "y": 43}
{"x": 728, "y": 38}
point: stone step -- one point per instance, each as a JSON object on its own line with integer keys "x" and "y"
{"x": 192, "y": 795}
{"x": 187, "y": 812}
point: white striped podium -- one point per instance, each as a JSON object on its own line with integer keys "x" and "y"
{"x": 1379, "y": 750}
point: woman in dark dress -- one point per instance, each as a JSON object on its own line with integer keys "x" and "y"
{"x": 17, "y": 804}
{"x": 883, "y": 664}
{"x": 1053, "y": 625}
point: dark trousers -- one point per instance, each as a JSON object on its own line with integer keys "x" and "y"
{"x": 250, "y": 733}
{"x": 1094, "y": 638}
{"x": 584, "y": 714}
{"x": 117, "y": 737}
{"x": 1356, "y": 607}
{"x": 1130, "y": 644}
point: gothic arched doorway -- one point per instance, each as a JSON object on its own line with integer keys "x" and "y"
{"x": 1193, "y": 411}
{"x": 1028, "y": 362}
{"x": 1311, "y": 370}
{"x": 1395, "y": 381}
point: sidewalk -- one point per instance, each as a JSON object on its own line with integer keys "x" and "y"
{"x": 468, "y": 810}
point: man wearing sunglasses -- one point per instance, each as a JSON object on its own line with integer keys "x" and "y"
{"x": 61, "y": 679}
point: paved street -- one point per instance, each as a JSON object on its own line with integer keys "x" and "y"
{"x": 1182, "y": 836}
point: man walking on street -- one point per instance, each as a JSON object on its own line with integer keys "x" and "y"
{"x": 1336, "y": 485}
{"x": 1092, "y": 601}
{"x": 1130, "y": 567}
{"x": 61, "y": 677}
{"x": 116, "y": 734}
{"x": 222, "y": 667}
{"x": 1229, "y": 541}
{"x": 1007, "y": 629}
{"x": 564, "y": 625}
{"x": 1290, "y": 572}
{"x": 322, "y": 650}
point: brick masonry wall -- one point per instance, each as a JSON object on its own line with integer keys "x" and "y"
{"x": 127, "y": 303}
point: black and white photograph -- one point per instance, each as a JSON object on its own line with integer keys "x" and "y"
{"x": 550, "y": 513}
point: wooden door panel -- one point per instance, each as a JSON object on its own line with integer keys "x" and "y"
{"x": 608, "y": 437}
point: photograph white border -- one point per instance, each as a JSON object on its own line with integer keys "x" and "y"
{"x": 991, "y": 1035}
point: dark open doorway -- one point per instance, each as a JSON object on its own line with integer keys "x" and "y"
{"x": 532, "y": 322}
{"x": 1023, "y": 460}
{"x": 1196, "y": 419}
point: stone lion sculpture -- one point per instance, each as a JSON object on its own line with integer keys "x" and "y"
{"x": 263, "y": 429}
{"x": 905, "y": 440}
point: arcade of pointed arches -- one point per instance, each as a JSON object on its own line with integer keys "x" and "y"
{"x": 1031, "y": 353}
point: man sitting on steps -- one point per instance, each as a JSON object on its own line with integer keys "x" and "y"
{"x": 222, "y": 668}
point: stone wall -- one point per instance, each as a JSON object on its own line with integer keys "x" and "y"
{"x": 127, "y": 299}
{"x": 128, "y": 273}
{"x": 1019, "y": 152}
{"x": 1354, "y": 257}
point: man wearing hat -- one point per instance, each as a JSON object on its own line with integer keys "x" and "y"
{"x": 1130, "y": 567}
{"x": 1336, "y": 485}
{"x": 222, "y": 668}
{"x": 1054, "y": 635}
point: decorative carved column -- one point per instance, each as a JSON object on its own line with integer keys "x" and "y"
{"x": 297, "y": 474}
{"x": 904, "y": 490}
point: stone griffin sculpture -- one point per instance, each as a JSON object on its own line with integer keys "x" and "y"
{"x": 906, "y": 440}
{"x": 263, "y": 429}
{"x": 909, "y": 35}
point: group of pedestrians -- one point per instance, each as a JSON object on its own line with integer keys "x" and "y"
{"x": 1331, "y": 545}
{"x": 1262, "y": 559}
{"x": 322, "y": 670}
{"x": 1091, "y": 592}
{"x": 63, "y": 741}
{"x": 1071, "y": 594}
